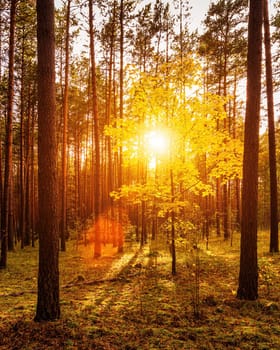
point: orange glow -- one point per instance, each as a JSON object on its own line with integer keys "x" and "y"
{"x": 109, "y": 231}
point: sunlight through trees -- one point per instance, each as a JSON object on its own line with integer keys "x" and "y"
{"x": 126, "y": 131}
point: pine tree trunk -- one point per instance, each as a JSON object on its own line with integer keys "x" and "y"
{"x": 9, "y": 143}
{"x": 173, "y": 246}
{"x": 48, "y": 307}
{"x": 21, "y": 161}
{"x": 64, "y": 136}
{"x": 274, "y": 241}
{"x": 120, "y": 233}
{"x": 248, "y": 274}
{"x": 27, "y": 172}
{"x": 32, "y": 180}
{"x": 96, "y": 161}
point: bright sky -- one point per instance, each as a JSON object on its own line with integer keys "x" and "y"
{"x": 198, "y": 12}
{"x": 200, "y": 8}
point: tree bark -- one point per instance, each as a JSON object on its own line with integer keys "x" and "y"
{"x": 9, "y": 142}
{"x": 48, "y": 307}
{"x": 96, "y": 161}
{"x": 248, "y": 274}
{"x": 120, "y": 173}
{"x": 274, "y": 242}
{"x": 64, "y": 136}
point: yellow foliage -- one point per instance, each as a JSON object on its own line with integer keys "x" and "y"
{"x": 170, "y": 123}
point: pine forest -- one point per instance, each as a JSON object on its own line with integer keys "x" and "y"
{"x": 139, "y": 174}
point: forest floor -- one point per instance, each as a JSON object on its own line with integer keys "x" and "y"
{"x": 131, "y": 300}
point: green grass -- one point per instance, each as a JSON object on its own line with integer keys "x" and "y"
{"x": 146, "y": 308}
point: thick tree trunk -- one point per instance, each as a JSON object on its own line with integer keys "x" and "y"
{"x": 248, "y": 274}
{"x": 48, "y": 307}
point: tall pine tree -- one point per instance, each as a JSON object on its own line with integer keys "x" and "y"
{"x": 248, "y": 274}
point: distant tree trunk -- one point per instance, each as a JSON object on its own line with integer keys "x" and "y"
{"x": 97, "y": 177}
{"x": 234, "y": 135}
{"x": 9, "y": 142}
{"x": 173, "y": 247}
{"x": 218, "y": 207}
{"x": 48, "y": 307}
{"x": 120, "y": 233}
{"x": 274, "y": 242}
{"x": 27, "y": 171}
{"x": 218, "y": 199}
{"x": 143, "y": 224}
{"x": 225, "y": 186}
{"x": 77, "y": 172}
{"x": 110, "y": 182}
{"x": 11, "y": 220}
{"x": 225, "y": 211}
{"x": 21, "y": 161}
{"x": 64, "y": 136}
{"x": 248, "y": 274}
{"x": 32, "y": 180}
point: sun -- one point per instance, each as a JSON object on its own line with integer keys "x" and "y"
{"x": 157, "y": 146}
{"x": 157, "y": 142}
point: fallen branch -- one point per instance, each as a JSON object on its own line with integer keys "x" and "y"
{"x": 18, "y": 294}
{"x": 95, "y": 282}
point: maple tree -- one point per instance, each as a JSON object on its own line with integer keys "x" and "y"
{"x": 165, "y": 132}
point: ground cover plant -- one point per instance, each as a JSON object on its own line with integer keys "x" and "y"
{"x": 132, "y": 301}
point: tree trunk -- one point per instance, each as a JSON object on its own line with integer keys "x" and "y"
{"x": 274, "y": 242}
{"x": 234, "y": 135}
{"x": 120, "y": 233}
{"x": 173, "y": 246}
{"x": 1, "y": 147}
{"x": 27, "y": 236}
{"x": 64, "y": 136}
{"x": 248, "y": 274}
{"x": 110, "y": 169}
{"x": 9, "y": 142}
{"x": 32, "y": 179}
{"x": 96, "y": 163}
{"x": 21, "y": 161}
{"x": 48, "y": 307}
